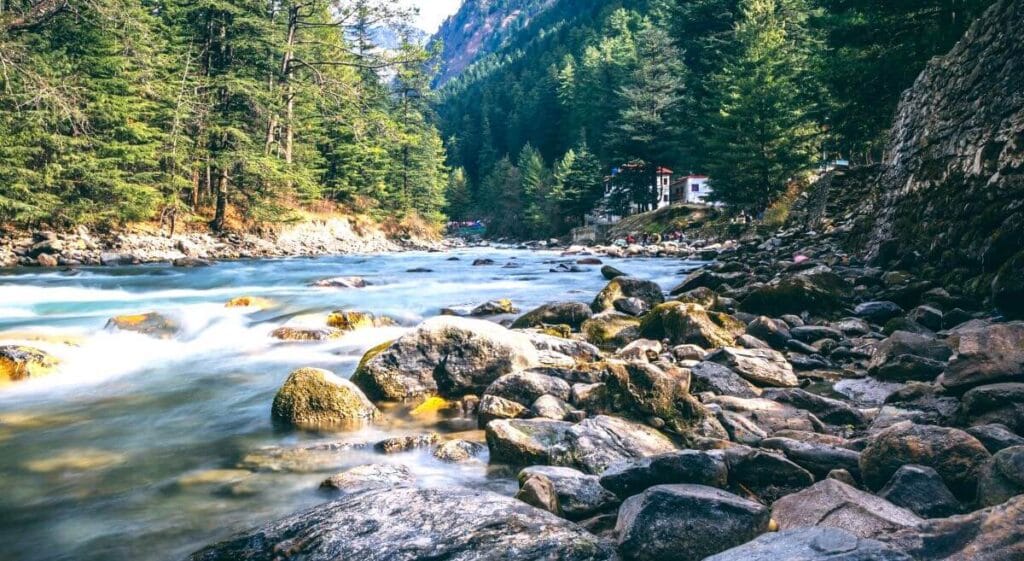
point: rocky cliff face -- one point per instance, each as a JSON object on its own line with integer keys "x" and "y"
{"x": 952, "y": 188}
{"x": 948, "y": 202}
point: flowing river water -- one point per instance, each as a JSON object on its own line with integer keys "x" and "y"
{"x": 141, "y": 448}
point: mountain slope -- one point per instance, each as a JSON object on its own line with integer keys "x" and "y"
{"x": 480, "y": 27}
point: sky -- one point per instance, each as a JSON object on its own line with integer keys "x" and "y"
{"x": 434, "y": 12}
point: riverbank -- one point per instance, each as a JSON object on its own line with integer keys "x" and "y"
{"x": 337, "y": 235}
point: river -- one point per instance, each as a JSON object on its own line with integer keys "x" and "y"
{"x": 131, "y": 450}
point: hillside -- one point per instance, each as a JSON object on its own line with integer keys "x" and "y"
{"x": 481, "y": 27}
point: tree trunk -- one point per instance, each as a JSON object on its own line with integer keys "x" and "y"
{"x": 220, "y": 218}
{"x": 194, "y": 202}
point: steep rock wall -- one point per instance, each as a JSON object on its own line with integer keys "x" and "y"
{"x": 952, "y": 189}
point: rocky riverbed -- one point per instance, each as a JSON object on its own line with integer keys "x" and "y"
{"x": 784, "y": 402}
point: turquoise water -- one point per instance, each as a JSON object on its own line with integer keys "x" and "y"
{"x": 122, "y": 453}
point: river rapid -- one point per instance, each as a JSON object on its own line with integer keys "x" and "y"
{"x": 142, "y": 448}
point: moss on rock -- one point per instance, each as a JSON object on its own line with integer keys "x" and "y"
{"x": 314, "y": 397}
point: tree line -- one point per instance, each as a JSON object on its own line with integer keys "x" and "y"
{"x": 753, "y": 93}
{"x": 228, "y": 112}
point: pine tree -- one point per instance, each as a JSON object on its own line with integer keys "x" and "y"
{"x": 765, "y": 131}
{"x": 579, "y": 173}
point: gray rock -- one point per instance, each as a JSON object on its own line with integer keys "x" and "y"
{"x": 598, "y": 442}
{"x": 572, "y": 314}
{"x": 493, "y": 407}
{"x": 772, "y": 331}
{"x": 811, "y": 544}
{"x": 985, "y": 354}
{"x": 313, "y": 397}
{"x": 445, "y": 355}
{"x": 920, "y": 489}
{"x": 834, "y": 504}
{"x": 372, "y": 476}
{"x": 459, "y": 451}
{"x": 388, "y": 525}
{"x": 527, "y": 386}
{"x": 909, "y": 356}
{"x": 721, "y": 380}
{"x": 995, "y": 436}
{"x": 765, "y": 474}
{"x": 991, "y": 534}
{"x": 631, "y": 306}
{"x": 995, "y": 403}
{"x": 524, "y": 442}
{"x": 697, "y": 467}
{"x": 686, "y": 523}
{"x": 550, "y": 407}
{"x": 760, "y": 366}
{"x": 812, "y": 333}
{"x": 878, "y": 312}
{"x": 578, "y": 495}
{"x": 1003, "y": 477}
{"x": 816, "y": 458}
{"x": 832, "y": 411}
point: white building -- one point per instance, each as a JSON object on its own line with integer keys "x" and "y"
{"x": 692, "y": 189}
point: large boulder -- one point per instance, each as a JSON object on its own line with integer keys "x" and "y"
{"x": 598, "y": 442}
{"x": 829, "y": 410}
{"x": 704, "y": 278}
{"x": 1003, "y": 477}
{"x": 985, "y": 354}
{"x": 572, "y": 314}
{"x": 793, "y": 295}
{"x": 721, "y": 380}
{"x": 409, "y": 524}
{"x": 686, "y": 523}
{"x": 764, "y": 474}
{"x": 647, "y": 391}
{"x": 920, "y": 489}
{"x": 775, "y": 332}
{"x": 527, "y": 386}
{"x": 811, "y": 544}
{"x": 698, "y": 467}
{"x": 906, "y": 356}
{"x": 451, "y": 356}
{"x": 957, "y": 456}
{"x": 991, "y": 534}
{"x": 835, "y": 504}
{"x": 995, "y": 403}
{"x": 691, "y": 324}
{"x": 763, "y": 367}
{"x": 19, "y": 363}
{"x": 816, "y": 457}
{"x": 314, "y": 397}
{"x": 648, "y": 292}
{"x": 577, "y": 494}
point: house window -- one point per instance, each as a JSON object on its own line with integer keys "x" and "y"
{"x": 665, "y": 198}
{"x": 695, "y": 187}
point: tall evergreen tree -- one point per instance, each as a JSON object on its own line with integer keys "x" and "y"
{"x": 765, "y": 130}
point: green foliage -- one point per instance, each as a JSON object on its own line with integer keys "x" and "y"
{"x": 230, "y": 109}
{"x": 765, "y": 130}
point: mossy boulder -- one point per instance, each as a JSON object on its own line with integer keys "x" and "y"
{"x": 315, "y": 398}
{"x": 19, "y": 363}
{"x": 649, "y": 292}
{"x": 611, "y": 330}
{"x": 152, "y": 324}
{"x": 687, "y": 323}
{"x": 348, "y": 320}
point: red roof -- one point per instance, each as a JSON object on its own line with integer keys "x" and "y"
{"x": 661, "y": 170}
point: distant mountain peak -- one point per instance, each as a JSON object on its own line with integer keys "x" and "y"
{"x": 479, "y": 28}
